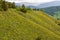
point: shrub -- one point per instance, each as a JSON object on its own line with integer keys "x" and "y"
{"x": 23, "y": 9}
{"x": 38, "y": 38}
{"x": 13, "y": 5}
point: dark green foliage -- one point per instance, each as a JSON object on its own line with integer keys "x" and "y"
{"x": 41, "y": 10}
{"x": 35, "y": 9}
{"x": 38, "y": 38}
{"x": 0, "y": 7}
{"x": 9, "y": 5}
{"x": 23, "y": 6}
{"x": 38, "y": 9}
{"x": 4, "y": 6}
{"x": 59, "y": 24}
{"x": 13, "y": 5}
{"x": 23, "y": 9}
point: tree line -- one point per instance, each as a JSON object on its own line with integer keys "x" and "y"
{"x": 5, "y": 5}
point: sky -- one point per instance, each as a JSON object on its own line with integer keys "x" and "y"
{"x": 32, "y": 1}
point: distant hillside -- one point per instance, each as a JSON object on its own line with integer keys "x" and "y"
{"x": 51, "y": 10}
{"x": 44, "y": 5}
{"x": 49, "y": 4}
{"x": 54, "y": 11}
{"x": 33, "y": 25}
{"x": 57, "y": 15}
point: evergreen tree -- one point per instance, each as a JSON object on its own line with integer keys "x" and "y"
{"x": 9, "y": 5}
{"x": 23, "y": 9}
{"x": 23, "y": 6}
{"x": 4, "y": 6}
{"x": 13, "y": 5}
{"x": 0, "y": 5}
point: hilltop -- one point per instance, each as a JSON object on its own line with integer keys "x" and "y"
{"x": 15, "y": 25}
{"x": 21, "y": 23}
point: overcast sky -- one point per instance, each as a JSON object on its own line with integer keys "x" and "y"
{"x": 32, "y": 1}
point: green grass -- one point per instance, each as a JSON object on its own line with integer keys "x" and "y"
{"x": 15, "y": 25}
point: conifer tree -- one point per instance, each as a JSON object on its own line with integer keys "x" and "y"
{"x": 13, "y": 5}
{"x": 4, "y": 6}
{"x": 23, "y": 9}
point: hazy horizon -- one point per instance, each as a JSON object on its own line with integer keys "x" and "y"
{"x": 32, "y": 1}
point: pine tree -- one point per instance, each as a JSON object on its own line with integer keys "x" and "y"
{"x": 13, "y": 5}
{"x": 4, "y": 6}
{"x": 23, "y": 9}
{"x": 0, "y": 5}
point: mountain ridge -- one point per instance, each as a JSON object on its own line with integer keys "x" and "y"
{"x": 44, "y": 5}
{"x": 50, "y": 4}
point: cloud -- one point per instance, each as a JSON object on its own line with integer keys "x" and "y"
{"x": 31, "y": 1}
{"x": 57, "y": 0}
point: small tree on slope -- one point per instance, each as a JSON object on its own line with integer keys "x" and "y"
{"x": 4, "y": 6}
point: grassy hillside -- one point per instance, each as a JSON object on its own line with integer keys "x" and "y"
{"x": 15, "y": 25}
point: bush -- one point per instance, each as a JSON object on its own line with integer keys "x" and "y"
{"x": 5, "y": 5}
{"x": 13, "y": 5}
{"x": 23, "y": 9}
{"x": 38, "y": 38}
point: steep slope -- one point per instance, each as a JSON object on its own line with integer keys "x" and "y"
{"x": 15, "y": 25}
{"x": 44, "y": 20}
